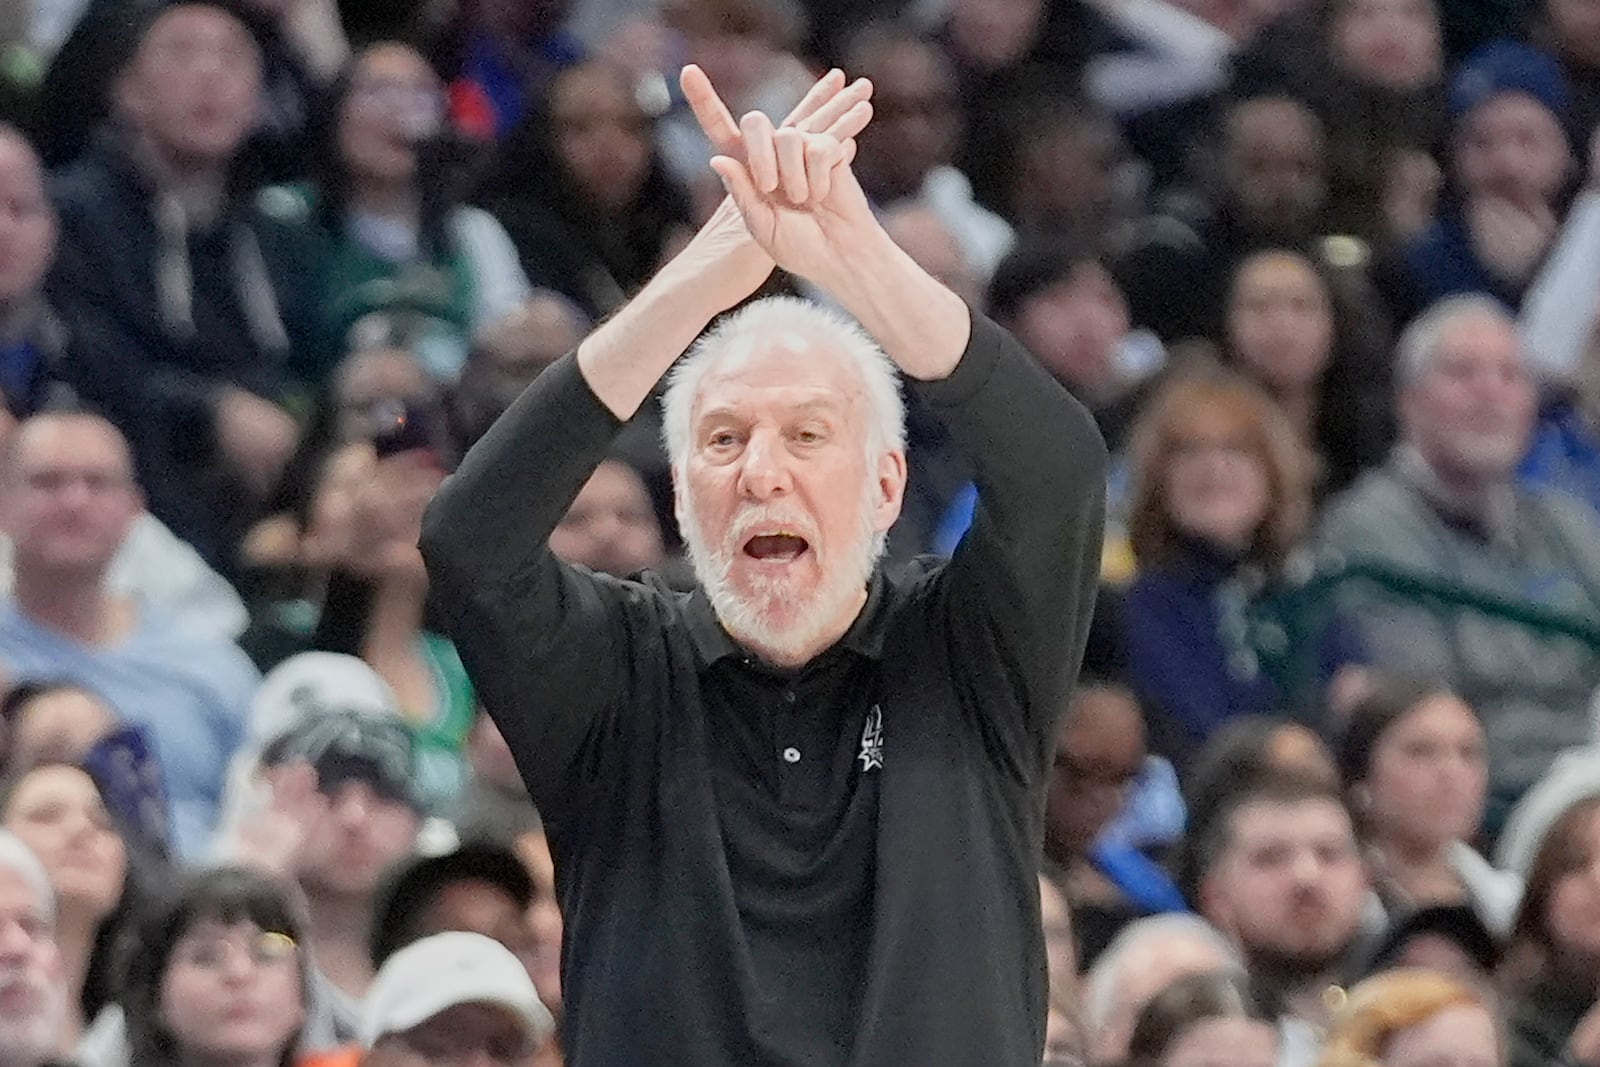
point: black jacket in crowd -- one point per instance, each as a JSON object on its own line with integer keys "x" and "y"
{"x": 825, "y": 866}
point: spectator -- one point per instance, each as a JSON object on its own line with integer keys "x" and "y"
{"x": 1448, "y": 938}
{"x": 32, "y": 1018}
{"x": 1099, "y": 754}
{"x": 1415, "y": 770}
{"x": 1415, "y": 1018}
{"x": 1067, "y": 309}
{"x": 79, "y": 90}
{"x": 59, "y": 812}
{"x": 907, "y": 152}
{"x": 1511, "y": 169}
{"x": 1290, "y": 329}
{"x": 480, "y": 887}
{"x": 1203, "y": 1020}
{"x": 1148, "y": 956}
{"x": 217, "y": 973}
{"x": 584, "y": 193}
{"x": 1373, "y": 71}
{"x": 926, "y": 238}
{"x": 69, "y": 499}
{"x": 185, "y": 302}
{"x": 1221, "y": 503}
{"x": 1445, "y": 510}
{"x": 395, "y": 243}
{"x": 49, "y": 722}
{"x": 1281, "y": 874}
{"x": 341, "y": 811}
{"x": 33, "y": 339}
{"x": 1567, "y": 30}
{"x": 510, "y": 354}
{"x": 1554, "y": 950}
{"x": 450, "y": 998}
{"x": 611, "y": 525}
{"x": 499, "y": 57}
{"x": 1272, "y": 163}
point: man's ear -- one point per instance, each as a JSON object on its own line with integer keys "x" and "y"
{"x": 891, "y": 481}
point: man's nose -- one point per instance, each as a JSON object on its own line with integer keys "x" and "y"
{"x": 763, "y": 469}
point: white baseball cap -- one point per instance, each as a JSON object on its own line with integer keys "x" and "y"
{"x": 437, "y": 973}
{"x": 310, "y": 682}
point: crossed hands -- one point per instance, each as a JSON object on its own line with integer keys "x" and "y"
{"x": 791, "y": 186}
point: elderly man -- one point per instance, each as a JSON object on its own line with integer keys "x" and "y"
{"x": 1447, "y": 510}
{"x": 33, "y": 987}
{"x": 796, "y": 813}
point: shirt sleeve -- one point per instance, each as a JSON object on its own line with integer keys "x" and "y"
{"x": 544, "y": 642}
{"x": 1018, "y": 595}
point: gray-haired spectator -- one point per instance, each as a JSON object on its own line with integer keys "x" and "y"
{"x": 1146, "y": 957}
{"x": 33, "y": 1007}
{"x": 1446, "y": 510}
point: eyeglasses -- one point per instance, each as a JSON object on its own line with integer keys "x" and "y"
{"x": 264, "y": 949}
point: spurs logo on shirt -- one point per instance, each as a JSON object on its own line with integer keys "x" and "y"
{"x": 871, "y": 756}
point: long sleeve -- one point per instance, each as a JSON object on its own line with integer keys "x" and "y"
{"x": 1020, "y": 588}
{"x": 544, "y": 641}
{"x": 1558, "y": 312}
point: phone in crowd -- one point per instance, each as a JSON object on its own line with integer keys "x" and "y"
{"x": 401, "y": 428}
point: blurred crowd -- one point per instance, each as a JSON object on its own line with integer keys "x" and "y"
{"x": 1328, "y": 791}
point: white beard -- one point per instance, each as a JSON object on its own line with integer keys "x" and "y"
{"x": 770, "y": 621}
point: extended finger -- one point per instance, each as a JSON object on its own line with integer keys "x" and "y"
{"x": 851, "y": 122}
{"x": 825, "y": 89}
{"x": 761, "y": 155}
{"x": 709, "y": 111}
{"x": 824, "y": 118}
{"x": 791, "y": 146}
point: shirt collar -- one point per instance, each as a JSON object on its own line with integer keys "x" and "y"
{"x": 864, "y": 637}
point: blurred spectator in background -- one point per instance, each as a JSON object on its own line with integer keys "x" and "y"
{"x": 185, "y": 302}
{"x": 1415, "y": 1018}
{"x": 611, "y": 526}
{"x": 1272, "y": 163}
{"x": 453, "y": 998}
{"x": 59, "y": 812}
{"x": 1203, "y": 1020}
{"x": 479, "y": 886}
{"x": 1067, "y": 309}
{"x": 1565, "y": 451}
{"x": 394, "y": 241}
{"x": 32, "y": 1017}
{"x": 1373, "y": 71}
{"x": 1289, "y": 329}
{"x": 78, "y": 92}
{"x": 217, "y": 972}
{"x": 1512, "y": 168}
{"x": 907, "y": 151}
{"x": 69, "y": 500}
{"x": 1220, "y": 507}
{"x": 508, "y": 355}
{"x": 1553, "y": 956}
{"x": 33, "y": 339}
{"x": 1448, "y": 938}
{"x": 1062, "y": 173}
{"x": 499, "y": 56}
{"x": 1099, "y": 756}
{"x": 585, "y": 194}
{"x": 1281, "y": 874}
{"x": 1145, "y": 958}
{"x": 1570, "y": 31}
{"x": 494, "y": 804}
{"x": 1416, "y": 773}
{"x": 1445, "y": 511}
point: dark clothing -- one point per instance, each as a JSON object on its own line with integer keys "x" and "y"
{"x": 163, "y": 317}
{"x": 827, "y": 866}
{"x": 1541, "y": 1021}
{"x": 1443, "y": 262}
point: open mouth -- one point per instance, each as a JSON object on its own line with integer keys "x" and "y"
{"x": 781, "y": 547}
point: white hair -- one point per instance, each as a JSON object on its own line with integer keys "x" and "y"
{"x": 17, "y": 857}
{"x": 1103, "y": 986}
{"x": 1418, "y": 346}
{"x": 739, "y": 336}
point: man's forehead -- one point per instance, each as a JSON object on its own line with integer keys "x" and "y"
{"x": 1262, "y": 820}
{"x": 78, "y": 443}
{"x": 788, "y": 370}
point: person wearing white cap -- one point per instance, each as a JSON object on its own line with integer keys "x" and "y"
{"x": 453, "y": 998}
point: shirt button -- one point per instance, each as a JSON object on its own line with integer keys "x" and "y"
{"x": 788, "y": 696}
{"x": 791, "y": 755}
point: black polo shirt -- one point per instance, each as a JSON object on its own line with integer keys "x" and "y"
{"x": 828, "y": 866}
